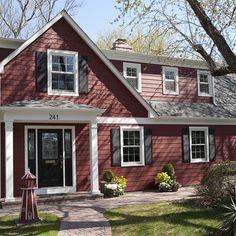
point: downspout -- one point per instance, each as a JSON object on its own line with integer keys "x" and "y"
{"x": 213, "y": 91}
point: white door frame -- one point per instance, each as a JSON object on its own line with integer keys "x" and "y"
{"x": 53, "y": 190}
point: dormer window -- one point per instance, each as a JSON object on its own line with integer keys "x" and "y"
{"x": 62, "y": 72}
{"x": 204, "y": 84}
{"x": 132, "y": 72}
{"x": 170, "y": 80}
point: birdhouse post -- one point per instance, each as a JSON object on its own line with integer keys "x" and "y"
{"x": 29, "y": 210}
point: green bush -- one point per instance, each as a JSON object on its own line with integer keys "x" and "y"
{"x": 121, "y": 181}
{"x": 218, "y": 184}
{"x": 164, "y": 187}
{"x": 162, "y": 177}
{"x": 169, "y": 169}
{"x": 228, "y": 227}
{"x": 108, "y": 176}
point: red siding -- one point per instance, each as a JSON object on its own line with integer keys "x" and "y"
{"x": 152, "y": 88}
{"x": 4, "y": 52}
{"x": 106, "y": 91}
{"x": 167, "y": 148}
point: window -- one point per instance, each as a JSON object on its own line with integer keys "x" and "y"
{"x": 199, "y": 145}
{"x": 132, "y": 72}
{"x": 62, "y": 72}
{"x": 170, "y": 80}
{"x": 132, "y": 150}
{"x": 204, "y": 83}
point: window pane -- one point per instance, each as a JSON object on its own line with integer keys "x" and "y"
{"x": 204, "y": 88}
{"x": 170, "y": 75}
{"x": 131, "y": 72}
{"x": 203, "y": 78}
{"x": 133, "y": 82}
{"x": 68, "y": 157}
{"x": 62, "y": 63}
{"x": 49, "y": 146}
{"x": 31, "y": 151}
{"x": 63, "y": 82}
{"x": 170, "y": 86}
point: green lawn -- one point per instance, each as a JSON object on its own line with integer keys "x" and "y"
{"x": 179, "y": 219}
{"x": 48, "y": 227}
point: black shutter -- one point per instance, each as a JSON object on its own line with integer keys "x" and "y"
{"x": 212, "y": 147}
{"x": 41, "y": 72}
{"x": 148, "y": 146}
{"x": 115, "y": 147}
{"x": 186, "y": 145}
{"x": 83, "y": 74}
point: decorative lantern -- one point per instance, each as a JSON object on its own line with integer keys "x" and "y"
{"x": 29, "y": 210}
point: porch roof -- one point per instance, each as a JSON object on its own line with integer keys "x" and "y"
{"x": 51, "y": 104}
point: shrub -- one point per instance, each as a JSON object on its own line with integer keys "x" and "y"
{"x": 174, "y": 185}
{"x": 164, "y": 187}
{"x": 162, "y": 177}
{"x": 121, "y": 181}
{"x": 218, "y": 184}
{"x": 169, "y": 169}
{"x": 228, "y": 226}
{"x": 108, "y": 176}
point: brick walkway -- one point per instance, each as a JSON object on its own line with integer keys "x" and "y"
{"x": 86, "y": 218}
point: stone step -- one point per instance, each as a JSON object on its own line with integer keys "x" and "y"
{"x": 54, "y": 198}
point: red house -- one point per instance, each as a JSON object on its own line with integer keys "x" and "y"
{"x": 70, "y": 111}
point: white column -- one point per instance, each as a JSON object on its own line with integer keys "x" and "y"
{"x": 93, "y": 142}
{"x": 9, "y": 161}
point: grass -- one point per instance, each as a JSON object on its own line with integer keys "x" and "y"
{"x": 172, "y": 219}
{"x": 48, "y": 227}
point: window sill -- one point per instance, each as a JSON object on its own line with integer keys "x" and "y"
{"x": 204, "y": 95}
{"x": 167, "y": 93}
{"x": 199, "y": 161}
{"x": 132, "y": 164}
{"x": 58, "y": 93}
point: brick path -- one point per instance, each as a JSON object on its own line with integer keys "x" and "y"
{"x": 85, "y": 218}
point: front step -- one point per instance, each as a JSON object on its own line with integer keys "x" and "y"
{"x": 55, "y": 198}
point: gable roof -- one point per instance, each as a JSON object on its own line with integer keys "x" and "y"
{"x": 90, "y": 43}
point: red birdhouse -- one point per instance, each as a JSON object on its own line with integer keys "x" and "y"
{"x": 29, "y": 210}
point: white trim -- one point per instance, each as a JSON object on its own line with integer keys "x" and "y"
{"x": 205, "y": 129}
{"x": 176, "y": 74}
{"x": 93, "y": 150}
{"x": 165, "y": 121}
{"x": 210, "y": 82}
{"x": 10, "y": 43}
{"x": 50, "y": 53}
{"x": 138, "y": 68}
{"x": 0, "y": 159}
{"x": 141, "y": 148}
{"x": 9, "y": 163}
{"x": 92, "y": 45}
{"x": 53, "y": 190}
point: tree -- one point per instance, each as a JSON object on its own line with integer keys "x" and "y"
{"x": 19, "y": 18}
{"x": 152, "y": 43}
{"x": 207, "y": 29}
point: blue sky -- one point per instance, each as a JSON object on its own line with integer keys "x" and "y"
{"x": 95, "y": 16}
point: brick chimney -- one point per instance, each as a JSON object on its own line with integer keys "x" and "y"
{"x": 122, "y": 45}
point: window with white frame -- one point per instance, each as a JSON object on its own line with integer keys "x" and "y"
{"x": 132, "y": 72}
{"x": 132, "y": 146}
{"x": 170, "y": 80}
{"x": 205, "y": 85}
{"x": 62, "y": 72}
{"x": 199, "y": 145}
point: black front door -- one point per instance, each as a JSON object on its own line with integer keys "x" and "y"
{"x": 50, "y": 158}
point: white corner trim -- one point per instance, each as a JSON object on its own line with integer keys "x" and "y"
{"x": 205, "y": 129}
{"x": 139, "y": 75}
{"x": 92, "y": 45}
{"x": 50, "y": 53}
{"x": 141, "y": 148}
{"x": 210, "y": 82}
{"x": 176, "y": 73}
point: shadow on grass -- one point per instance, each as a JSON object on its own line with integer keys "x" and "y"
{"x": 49, "y": 226}
{"x": 183, "y": 215}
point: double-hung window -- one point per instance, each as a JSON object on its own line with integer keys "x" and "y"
{"x": 199, "y": 144}
{"x": 205, "y": 84}
{"x": 132, "y": 146}
{"x": 62, "y": 72}
{"x": 170, "y": 80}
{"x": 132, "y": 72}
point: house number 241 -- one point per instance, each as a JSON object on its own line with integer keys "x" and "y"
{"x": 53, "y": 117}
